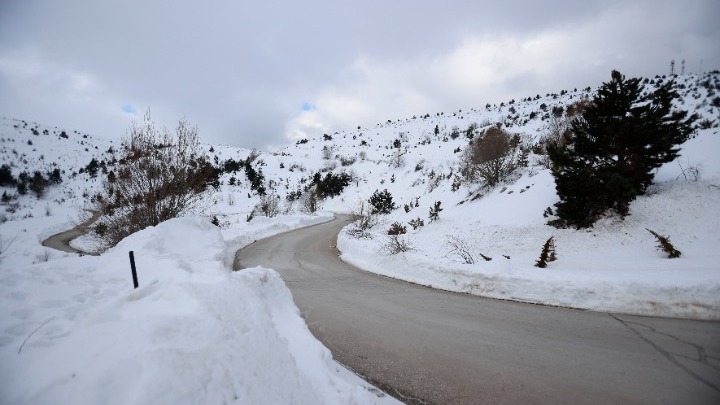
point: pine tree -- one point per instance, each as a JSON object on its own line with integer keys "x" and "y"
{"x": 613, "y": 148}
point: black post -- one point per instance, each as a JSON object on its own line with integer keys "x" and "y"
{"x": 132, "y": 267}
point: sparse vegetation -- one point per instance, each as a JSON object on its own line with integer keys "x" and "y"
{"x": 435, "y": 211}
{"x": 665, "y": 245}
{"x": 397, "y": 244}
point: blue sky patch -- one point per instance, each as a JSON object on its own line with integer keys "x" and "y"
{"x": 307, "y": 106}
{"x": 129, "y": 108}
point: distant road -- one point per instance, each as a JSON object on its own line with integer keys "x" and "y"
{"x": 61, "y": 241}
{"x": 429, "y": 346}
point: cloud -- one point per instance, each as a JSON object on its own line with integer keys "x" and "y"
{"x": 240, "y": 70}
{"x": 491, "y": 68}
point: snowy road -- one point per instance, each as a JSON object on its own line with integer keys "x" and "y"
{"x": 429, "y": 346}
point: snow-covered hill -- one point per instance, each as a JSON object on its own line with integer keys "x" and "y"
{"x": 81, "y": 315}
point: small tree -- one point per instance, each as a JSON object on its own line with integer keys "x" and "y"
{"x": 435, "y": 211}
{"x": 665, "y": 245}
{"x": 6, "y": 177}
{"x": 547, "y": 254}
{"x": 38, "y": 184}
{"x": 381, "y": 202}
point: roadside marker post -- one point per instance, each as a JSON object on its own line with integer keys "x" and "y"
{"x": 132, "y": 267}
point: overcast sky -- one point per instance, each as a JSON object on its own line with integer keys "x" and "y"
{"x": 260, "y": 73}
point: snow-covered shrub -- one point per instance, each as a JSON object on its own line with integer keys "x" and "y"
{"x": 416, "y": 223}
{"x": 310, "y": 202}
{"x": 269, "y": 205}
{"x": 396, "y": 244}
{"x": 397, "y": 229}
{"x": 435, "y": 211}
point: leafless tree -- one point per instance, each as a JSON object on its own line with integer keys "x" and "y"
{"x": 269, "y": 205}
{"x": 491, "y": 158}
{"x": 161, "y": 175}
{"x": 310, "y": 201}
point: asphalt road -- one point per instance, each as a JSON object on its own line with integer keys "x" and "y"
{"x": 61, "y": 241}
{"x": 428, "y": 346}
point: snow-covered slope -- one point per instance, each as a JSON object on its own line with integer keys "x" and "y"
{"x": 199, "y": 332}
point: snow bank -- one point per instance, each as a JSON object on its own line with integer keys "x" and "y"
{"x": 75, "y": 331}
{"x": 614, "y": 266}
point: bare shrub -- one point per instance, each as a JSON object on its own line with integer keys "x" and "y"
{"x": 491, "y": 158}
{"x": 161, "y": 176}
{"x": 397, "y": 159}
{"x": 269, "y": 205}
{"x": 310, "y": 202}
{"x": 396, "y": 244}
{"x": 365, "y": 219}
{"x": 347, "y": 160}
{"x": 689, "y": 172}
{"x": 458, "y": 247}
{"x": 44, "y": 256}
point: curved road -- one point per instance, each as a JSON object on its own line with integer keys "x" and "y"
{"x": 430, "y": 346}
{"x": 61, "y": 241}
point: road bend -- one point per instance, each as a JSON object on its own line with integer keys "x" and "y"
{"x": 426, "y": 346}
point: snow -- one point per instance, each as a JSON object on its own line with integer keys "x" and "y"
{"x": 75, "y": 331}
{"x": 72, "y": 329}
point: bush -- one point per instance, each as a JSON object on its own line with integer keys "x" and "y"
{"x": 435, "y": 211}
{"x": 331, "y": 185}
{"x": 364, "y": 220}
{"x": 161, "y": 176}
{"x": 417, "y": 223}
{"x": 458, "y": 247}
{"x": 381, "y": 202}
{"x": 397, "y": 229}
{"x": 38, "y": 184}
{"x": 614, "y": 148}
{"x": 6, "y": 177}
{"x": 269, "y": 205}
{"x": 396, "y": 244}
{"x": 491, "y": 158}
{"x": 310, "y": 202}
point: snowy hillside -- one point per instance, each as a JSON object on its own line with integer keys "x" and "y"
{"x": 194, "y": 328}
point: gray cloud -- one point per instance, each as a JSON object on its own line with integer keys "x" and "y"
{"x": 243, "y": 71}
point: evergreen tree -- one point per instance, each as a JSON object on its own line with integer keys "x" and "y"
{"x": 613, "y": 148}
{"x": 381, "y": 202}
